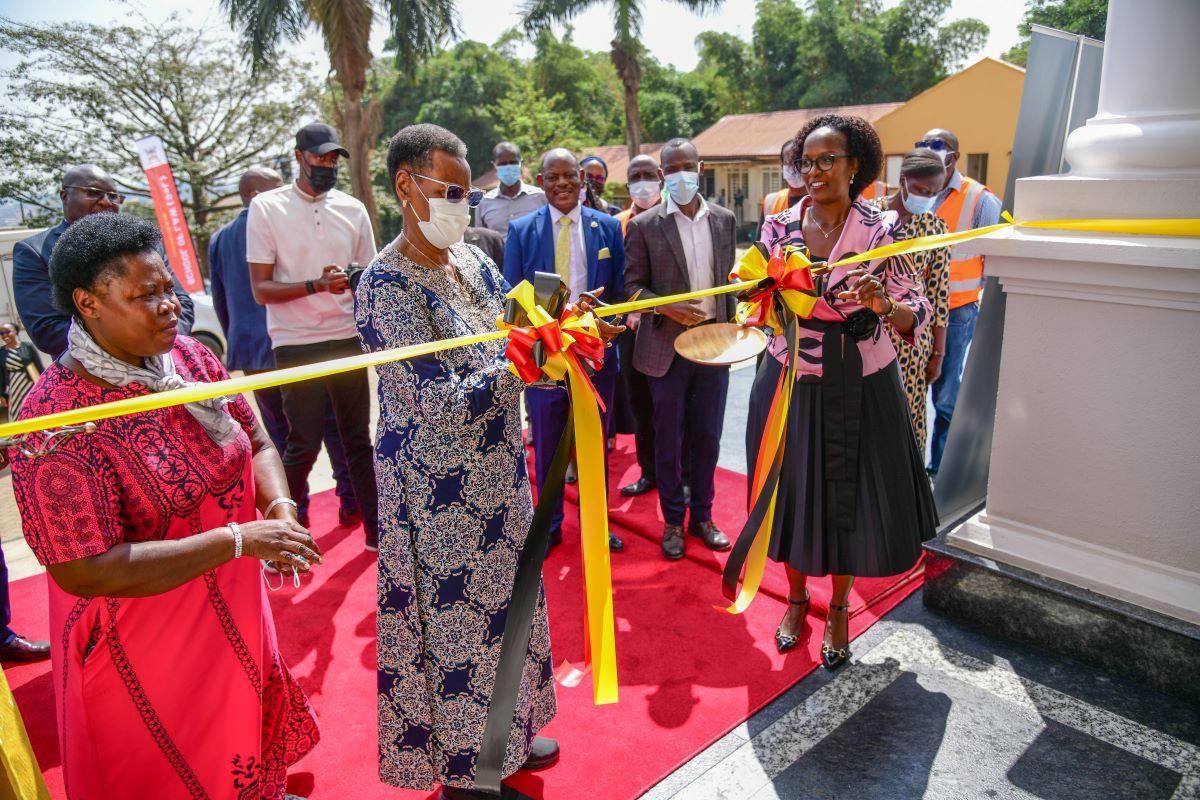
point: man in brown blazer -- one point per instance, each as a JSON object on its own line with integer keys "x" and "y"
{"x": 682, "y": 245}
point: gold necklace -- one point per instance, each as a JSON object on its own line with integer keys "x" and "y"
{"x": 448, "y": 269}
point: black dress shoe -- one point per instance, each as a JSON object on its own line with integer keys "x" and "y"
{"x": 639, "y": 487}
{"x": 614, "y": 543}
{"x": 713, "y": 538}
{"x": 687, "y": 493}
{"x": 834, "y": 657}
{"x": 786, "y": 641}
{"x": 672, "y": 543}
{"x": 349, "y": 517}
{"x": 20, "y": 649}
{"x": 543, "y": 753}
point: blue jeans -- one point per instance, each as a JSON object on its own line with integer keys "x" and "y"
{"x": 945, "y": 388}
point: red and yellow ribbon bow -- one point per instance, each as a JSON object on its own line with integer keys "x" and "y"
{"x": 571, "y": 340}
{"x": 567, "y": 343}
{"x": 788, "y": 275}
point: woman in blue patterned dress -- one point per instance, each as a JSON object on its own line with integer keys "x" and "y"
{"x": 454, "y": 498}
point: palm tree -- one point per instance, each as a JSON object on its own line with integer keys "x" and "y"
{"x": 417, "y": 27}
{"x": 626, "y": 49}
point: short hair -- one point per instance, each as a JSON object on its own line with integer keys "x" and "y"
{"x": 862, "y": 142}
{"x": 413, "y": 146}
{"x": 922, "y": 163}
{"x": 92, "y": 248}
{"x": 790, "y": 144}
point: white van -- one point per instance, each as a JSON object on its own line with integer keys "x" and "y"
{"x": 206, "y": 328}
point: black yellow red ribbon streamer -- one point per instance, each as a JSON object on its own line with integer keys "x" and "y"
{"x": 567, "y": 343}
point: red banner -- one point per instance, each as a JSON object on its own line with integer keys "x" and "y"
{"x": 171, "y": 221}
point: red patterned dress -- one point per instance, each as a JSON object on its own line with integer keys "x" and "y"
{"x": 182, "y": 694}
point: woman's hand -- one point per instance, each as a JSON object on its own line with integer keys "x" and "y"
{"x": 933, "y": 368}
{"x": 281, "y": 541}
{"x": 868, "y": 291}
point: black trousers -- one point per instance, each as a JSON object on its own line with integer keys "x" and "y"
{"x": 636, "y": 389}
{"x": 304, "y": 405}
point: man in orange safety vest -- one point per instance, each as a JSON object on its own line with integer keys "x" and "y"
{"x": 963, "y": 204}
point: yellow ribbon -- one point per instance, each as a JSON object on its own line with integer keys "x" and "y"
{"x": 590, "y": 446}
{"x": 20, "y": 777}
{"x": 264, "y": 380}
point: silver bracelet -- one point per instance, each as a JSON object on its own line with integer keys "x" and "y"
{"x": 236, "y": 530}
{"x": 285, "y": 500}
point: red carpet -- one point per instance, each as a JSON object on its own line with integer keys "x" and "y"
{"x": 688, "y": 674}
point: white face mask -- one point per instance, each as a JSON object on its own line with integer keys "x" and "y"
{"x": 644, "y": 193}
{"x": 793, "y": 177}
{"x": 447, "y": 221}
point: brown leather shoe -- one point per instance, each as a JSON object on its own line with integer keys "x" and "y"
{"x": 672, "y": 543}
{"x": 18, "y": 648}
{"x": 543, "y": 753}
{"x": 711, "y": 534}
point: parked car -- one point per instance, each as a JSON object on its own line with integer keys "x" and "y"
{"x": 206, "y": 328}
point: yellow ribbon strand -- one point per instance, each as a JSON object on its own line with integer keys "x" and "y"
{"x": 773, "y": 439}
{"x": 20, "y": 776}
{"x": 234, "y": 386}
{"x": 265, "y": 380}
{"x": 593, "y": 524}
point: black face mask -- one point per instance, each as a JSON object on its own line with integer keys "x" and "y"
{"x": 322, "y": 179}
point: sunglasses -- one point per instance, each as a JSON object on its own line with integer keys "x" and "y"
{"x": 454, "y": 192}
{"x": 94, "y": 194}
{"x": 824, "y": 163}
{"x": 936, "y": 145}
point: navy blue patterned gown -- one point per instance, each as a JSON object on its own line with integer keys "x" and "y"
{"x": 454, "y": 509}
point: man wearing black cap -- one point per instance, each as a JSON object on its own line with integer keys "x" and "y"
{"x": 300, "y": 240}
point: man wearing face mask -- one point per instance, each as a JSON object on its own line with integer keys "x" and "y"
{"x": 634, "y": 408}
{"x": 513, "y": 198}
{"x": 586, "y": 249}
{"x": 964, "y": 204}
{"x": 790, "y": 194}
{"x": 300, "y": 238}
{"x": 683, "y": 245}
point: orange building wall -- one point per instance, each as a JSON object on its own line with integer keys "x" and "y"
{"x": 979, "y": 104}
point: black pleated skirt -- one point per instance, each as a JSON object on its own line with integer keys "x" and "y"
{"x": 894, "y": 509}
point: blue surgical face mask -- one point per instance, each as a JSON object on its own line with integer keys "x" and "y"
{"x": 915, "y": 203}
{"x": 683, "y": 186}
{"x": 509, "y": 174}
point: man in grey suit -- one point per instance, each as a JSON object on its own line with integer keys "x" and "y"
{"x": 682, "y": 245}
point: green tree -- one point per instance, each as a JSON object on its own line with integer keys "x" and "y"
{"x": 727, "y": 65}
{"x": 627, "y": 51}
{"x": 843, "y": 52}
{"x": 85, "y": 93}
{"x": 458, "y": 89}
{"x": 417, "y": 28}
{"x": 535, "y": 123}
{"x": 1086, "y": 17}
{"x": 577, "y": 78}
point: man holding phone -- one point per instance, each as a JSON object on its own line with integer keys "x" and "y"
{"x": 300, "y": 238}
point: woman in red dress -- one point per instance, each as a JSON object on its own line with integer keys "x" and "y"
{"x": 166, "y": 670}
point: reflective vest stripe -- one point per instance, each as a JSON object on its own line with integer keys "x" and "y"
{"x": 966, "y": 272}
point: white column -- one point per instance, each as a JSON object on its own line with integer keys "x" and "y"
{"x": 1148, "y": 119}
{"x": 1095, "y": 462}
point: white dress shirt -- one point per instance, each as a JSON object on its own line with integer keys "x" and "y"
{"x": 696, "y": 236}
{"x": 579, "y": 277}
{"x": 301, "y": 235}
{"x": 497, "y": 209}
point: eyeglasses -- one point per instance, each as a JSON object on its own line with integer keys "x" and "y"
{"x": 824, "y": 163}
{"x": 936, "y": 145}
{"x": 454, "y": 192}
{"x": 95, "y": 194}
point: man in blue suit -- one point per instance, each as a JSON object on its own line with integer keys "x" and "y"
{"x": 586, "y": 249}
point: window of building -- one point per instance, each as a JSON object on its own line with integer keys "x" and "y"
{"x": 977, "y": 166}
{"x": 772, "y": 180}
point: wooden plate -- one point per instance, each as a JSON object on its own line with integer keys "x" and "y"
{"x": 720, "y": 344}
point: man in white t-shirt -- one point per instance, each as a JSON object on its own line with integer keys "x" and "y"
{"x": 300, "y": 240}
